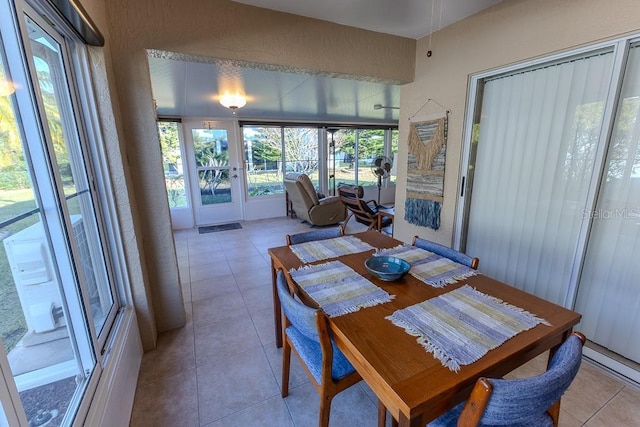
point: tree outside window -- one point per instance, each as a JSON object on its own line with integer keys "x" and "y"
{"x": 172, "y": 163}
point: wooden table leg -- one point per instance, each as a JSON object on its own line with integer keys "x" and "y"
{"x": 405, "y": 422}
{"x": 277, "y": 314}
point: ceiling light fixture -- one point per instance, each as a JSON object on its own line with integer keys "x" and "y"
{"x": 380, "y": 107}
{"x": 233, "y": 101}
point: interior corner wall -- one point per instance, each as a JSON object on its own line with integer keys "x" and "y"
{"x": 513, "y": 31}
{"x": 221, "y": 29}
{"x": 108, "y": 110}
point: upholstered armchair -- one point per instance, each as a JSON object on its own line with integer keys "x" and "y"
{"x": 308, "y": 206}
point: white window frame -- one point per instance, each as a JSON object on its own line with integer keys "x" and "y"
{"x": 98, "y": 348}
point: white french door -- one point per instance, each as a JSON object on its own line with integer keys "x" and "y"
{"x": 552, "y": 200}
{"x": 214, "y": 171}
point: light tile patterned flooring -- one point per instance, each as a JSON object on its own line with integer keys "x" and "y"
{"x": 223, "y": 369}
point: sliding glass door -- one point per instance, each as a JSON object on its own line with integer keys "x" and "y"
{"x": 609, "y": 290}
{"x": 553, "y": 194}
{"x": 535, "y": 157}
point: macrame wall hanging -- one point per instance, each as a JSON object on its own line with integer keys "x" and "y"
{"x": 425, "y": 171}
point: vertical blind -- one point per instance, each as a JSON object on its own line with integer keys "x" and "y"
{"x": 609, "y": 289}
{"x": 538, "y": 134}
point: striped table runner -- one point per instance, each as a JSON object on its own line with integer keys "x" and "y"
{"x": 329, "y": 248}
{"x": 337, "y": 288}
{"x": 461, "y": 326}
{"x": 428, "y": 267}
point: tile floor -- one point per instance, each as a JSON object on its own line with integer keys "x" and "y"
{"x": 223, "y": 369}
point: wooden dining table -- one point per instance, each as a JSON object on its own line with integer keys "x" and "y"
{"x": 414, "y": 386}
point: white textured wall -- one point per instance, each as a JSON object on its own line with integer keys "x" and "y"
{"x": 510, "y": 32}
{"x": 215, "y": 28}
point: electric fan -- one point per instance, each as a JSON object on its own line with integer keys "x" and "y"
{"x": 381, "y": 168}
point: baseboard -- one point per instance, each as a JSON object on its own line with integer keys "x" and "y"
{"x": 113, "y": 400}
{"x": 613, "y": 367}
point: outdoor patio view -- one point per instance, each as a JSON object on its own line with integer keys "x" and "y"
{"x": 269, "y": 153}
{"x": 350, "y": 162}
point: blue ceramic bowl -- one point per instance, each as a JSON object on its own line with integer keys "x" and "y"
{"x": 387, "y": 267}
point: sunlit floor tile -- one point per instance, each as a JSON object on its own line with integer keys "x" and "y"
{"x": 233, "y": 384}
{"x": 622, "y": 410}
{"x": 270, "y": 413}
{"x": 168, "y": 402}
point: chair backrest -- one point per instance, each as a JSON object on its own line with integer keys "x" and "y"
{"x": 309, "y": 236}
{"x": 301, "y": 190}
{"x": 301, "y": 317}
{"x": 526, "y": 401}
{"x": 351, "y": 197}
{"x": 446, "y": 252}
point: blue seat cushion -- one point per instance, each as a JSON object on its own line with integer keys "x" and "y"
{"x": 311, "y": 353}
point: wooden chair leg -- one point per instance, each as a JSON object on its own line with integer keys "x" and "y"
{"x": 325, "y": 409}
{"x": 286, "y": 366}
{"x": 382, "y": 414}
{"x": 554, "y": 412}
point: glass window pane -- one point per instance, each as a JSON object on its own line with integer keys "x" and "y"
{"x": 17, "y": 200}
{"x": 356, "y": 151}
{"x": 263, "y": 158}
{"x": 211, "y": 150}
{"x": 215, "y": 186}
{"x": 345, "y": 141}
{"x": 4, "y": 422}
{"x": 63, "y": 133}
{"x": 211, "y": 147}
{"x": 394, "y": 154}
{"x": 301, "y": 151}
{"x": 542, "y": 127}
{"x": 370, "y": 147}
{"x": 34, "y": 327}
{"x": 608, "y": 290}
{"x": 169, "y": 135}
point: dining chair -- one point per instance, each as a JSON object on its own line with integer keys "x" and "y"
{"x": 446, "y": 252}
{"x": 306, "y": 331}
{"x": 533, "y": 401}
{"x": 320, "y": 234}
{"x": 524, "y": 401}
